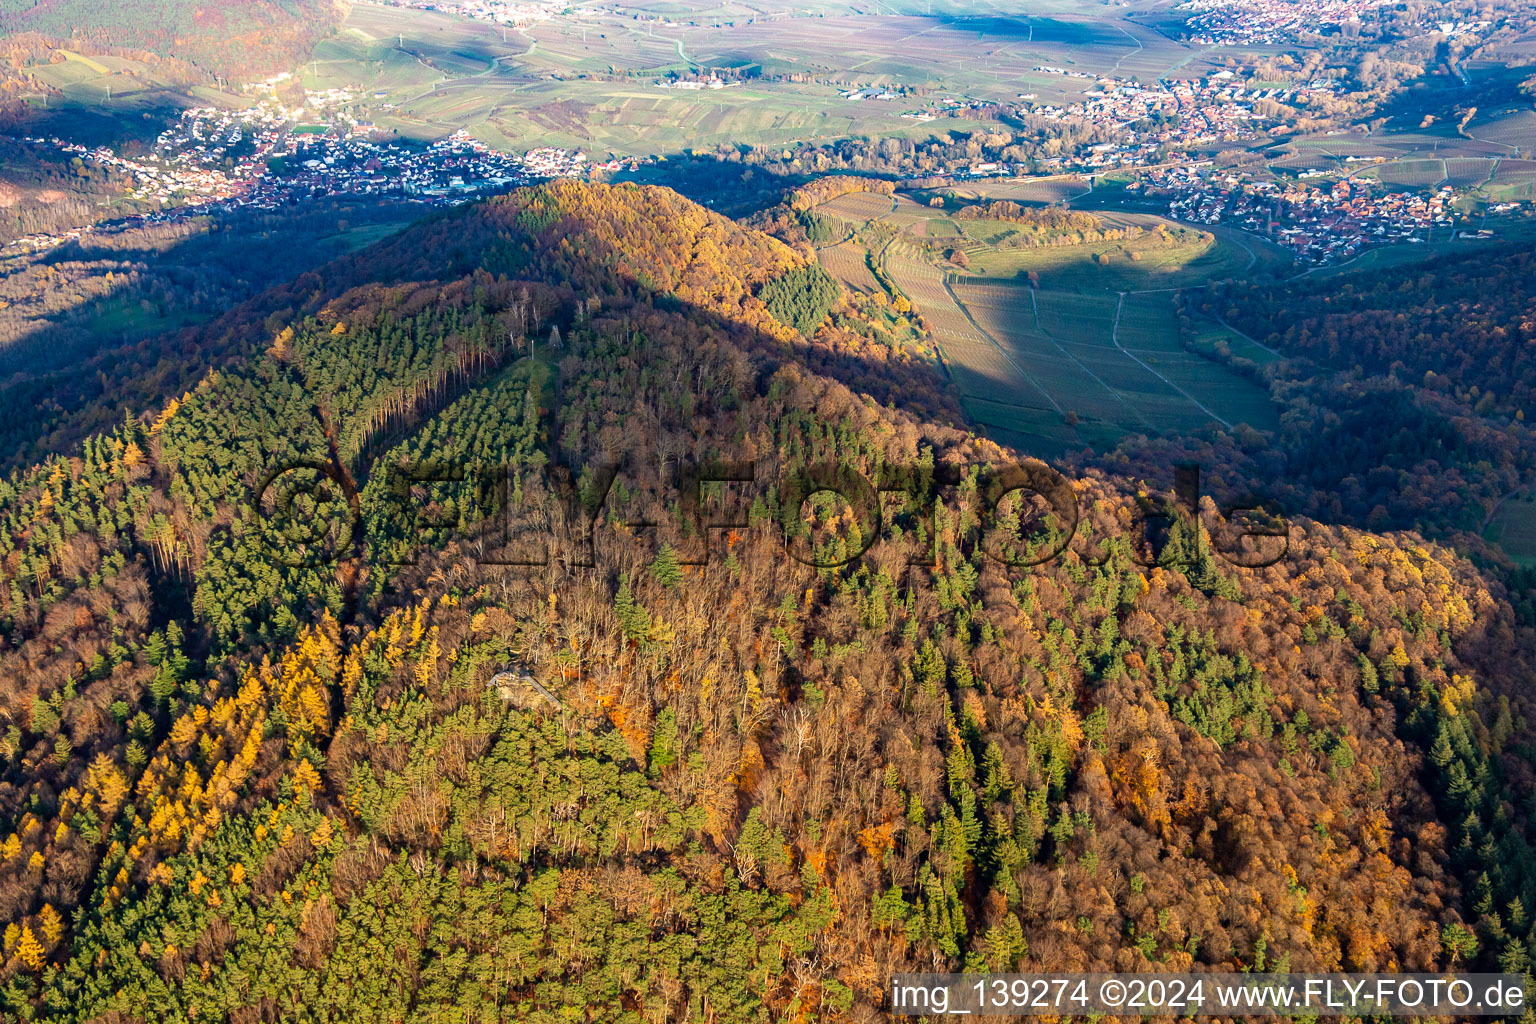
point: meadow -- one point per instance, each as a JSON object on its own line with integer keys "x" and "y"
{"x": 1164, "y": 256}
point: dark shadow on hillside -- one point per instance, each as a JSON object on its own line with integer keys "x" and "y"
{"x": 730, "y": 186}
{"x": 1037, "y": 30}
{"x": 1443, "y": 95}
{"x": 104, "y": 347}
{"x": 66, "y": 380}
{"x": 123, "y": 128}
{"x": 51, "y": 410}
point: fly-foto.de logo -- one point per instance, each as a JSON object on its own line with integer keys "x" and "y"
{"x": 826, "y": 514}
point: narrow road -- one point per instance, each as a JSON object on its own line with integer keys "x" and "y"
{"x": 1495, "y": 510}
{"x": 1035, "y": 304}
{"x": 1123, "y": 57}
{"x": 1114, "y": 335}
{"x": 1240, "y": 334}
{"x": 1003, "y": 351}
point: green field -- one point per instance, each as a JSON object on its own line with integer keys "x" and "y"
{"x": 1185, "y": 257}
{"x": 1094, "y": 353}
{"x": 1209, "y": 337}
{"x": 1118, "y": 363}
{"x": 122, "y": 316}
{"x": 1513, "y": 529}
{"x": 590, "y": 77}
{"x": 109, "y": 100}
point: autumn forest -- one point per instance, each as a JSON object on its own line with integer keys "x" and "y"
{"x": 491, "y": 706}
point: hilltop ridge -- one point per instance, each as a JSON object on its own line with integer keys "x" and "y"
{"x": 254, "y": 765}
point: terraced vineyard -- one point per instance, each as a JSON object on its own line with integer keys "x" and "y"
{"x": 1063, "y": 369}
{"x": 996, "y": 390}
{"x": 1148, "y": 324}
{"x": 1046, "y": 190}
{"x": 908, "y": 214}
{"x": 846, "y": 262}
{"x": 1513, "y": 180}
{"x": 937, "y": 228}
{"x": 1091, "y": 355}
{"x": 1087, "y": 319}
{"x": 857, "y": 207}
{"x": 1513, "y": 129}
{"x": 1413, "y": 173}
{"x": 1134, "y": 375}
{"x": 1466, "y": 172}
{"x": 1096, "y": 380}
{"x": 1181, "y": 258}
{"x": 1210, "y": 337}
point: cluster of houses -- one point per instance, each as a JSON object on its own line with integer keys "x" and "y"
{"x": 272, "y": 153}
{"x": 449, "y": 170}
{"x": 711, "y": 82}
{"x": 1144, "y": 119}
{"x": 220, "y": 161}
{"x": 210, "y": 136}
{"x": 1048, "y": 69}
{"x": 1267, "y": 22}
{"x": 1455, "y": 29}
{"x": 153, "y": 180}
{"x": 1319, "y": 224}
{"x": 503, "y": 12}
{"x": 943, "y": 106}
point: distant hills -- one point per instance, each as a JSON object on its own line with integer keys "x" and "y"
{"x": 225, "y": 38}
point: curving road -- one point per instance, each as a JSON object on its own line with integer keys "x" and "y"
{"x": 1114, "y": 335}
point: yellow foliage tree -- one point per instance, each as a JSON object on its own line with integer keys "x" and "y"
{"x": 29, "y": 949}
{"x": 306, "y": 778}
{"x": 105, "y": 780}
{"x": 52, "y": 924}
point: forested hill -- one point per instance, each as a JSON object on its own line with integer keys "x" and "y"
{"x": 291, "y": 764}
{"x": 229, "y": 38}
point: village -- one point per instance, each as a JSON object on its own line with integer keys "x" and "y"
{"x": 291, "y": 144}
{"x": 502, "y": 12}
{"x": 1268, "y": 22}
{"x": 1149, "y": 120}
{"x": 1318, "y": 224}
{"x": 217, "y": 160}
{"x": 319, "y": 148}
